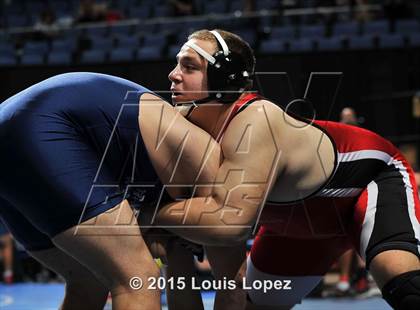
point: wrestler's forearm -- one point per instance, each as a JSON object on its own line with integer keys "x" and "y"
{"x": 204, "y": 221}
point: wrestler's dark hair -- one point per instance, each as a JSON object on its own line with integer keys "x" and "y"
{"x": 235, "y": 43}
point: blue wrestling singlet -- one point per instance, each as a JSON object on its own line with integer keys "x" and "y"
{"x": 70, "y": 147}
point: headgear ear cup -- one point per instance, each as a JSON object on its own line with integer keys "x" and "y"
{"x": 227, "y": 75}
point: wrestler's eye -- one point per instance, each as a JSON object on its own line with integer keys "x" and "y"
{"x": 189, "y": 67}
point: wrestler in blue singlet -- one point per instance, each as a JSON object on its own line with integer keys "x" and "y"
{"x": 69, "y": 148}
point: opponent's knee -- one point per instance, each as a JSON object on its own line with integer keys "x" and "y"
{"x": 403, "y": 291}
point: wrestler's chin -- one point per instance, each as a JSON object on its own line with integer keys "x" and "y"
{"x": 175, "y": 100}
{"x": 179, "y": 99}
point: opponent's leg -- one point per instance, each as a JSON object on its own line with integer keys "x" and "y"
{"x": 83, "y": 290}
{"x": 229, "y": 263}
{"x": 181, "y": 264}
{"x": 344, "y": 265}
{"x": 389, "y": 264}
{"x": 115, "y": 257}
{"x": 297, "y": 264}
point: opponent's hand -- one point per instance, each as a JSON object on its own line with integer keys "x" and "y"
{"x": 159, "y": 241}
{"x": 196, "y": 249}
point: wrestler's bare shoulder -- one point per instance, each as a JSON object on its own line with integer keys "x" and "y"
{"x": 275, "y": 113}
{"x": 260, "y": 109}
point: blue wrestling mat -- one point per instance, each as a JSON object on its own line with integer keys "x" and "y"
{"x": 48, "y": 297}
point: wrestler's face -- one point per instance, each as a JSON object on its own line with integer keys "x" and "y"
{"x": 189, "y": 77}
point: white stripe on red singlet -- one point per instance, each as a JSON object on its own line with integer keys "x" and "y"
{"x": 410, "y": 198}
{"x": 365, "y": 154}
{"x": 369, "y": 220}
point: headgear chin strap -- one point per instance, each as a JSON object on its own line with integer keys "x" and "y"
{"x": 226, "y": 73}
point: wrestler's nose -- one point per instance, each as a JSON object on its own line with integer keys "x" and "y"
{"x": 175, "y": 75}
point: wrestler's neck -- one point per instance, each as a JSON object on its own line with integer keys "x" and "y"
{"x": 211, "y": 116}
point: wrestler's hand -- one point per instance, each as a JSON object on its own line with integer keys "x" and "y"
{"x": 159, "y": 242}
{"x": 196, "y": 249}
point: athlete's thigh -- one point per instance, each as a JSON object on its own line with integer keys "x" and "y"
{"x": 53, "y": 175}
{"x": 296, "y": 264}
{"x": 65, "y": 265}
{"x": 113, "y": 252}
{"x": 22, "y": 229}
{"x": 387, "y": 214}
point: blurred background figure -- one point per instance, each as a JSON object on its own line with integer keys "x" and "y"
{"x": 348, "y": 116}
{"x": 353, "y": 277}
{"x": 249, "y": 6}
{"x": 362, "y": 12}
{"x": 46, "y": 26}
{"x": 6, "y": 254}
{"x": 89, "y": 11}
{"x": 410, "y": 151}
{"x": 182, "y": 7}
{"x": 112, "y": 12}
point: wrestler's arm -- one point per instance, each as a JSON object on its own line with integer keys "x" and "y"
{"x": 249, "y": 165}
{"x": 181, "y": 153}
{"x": 170, "y": 140}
